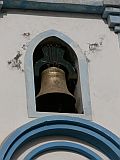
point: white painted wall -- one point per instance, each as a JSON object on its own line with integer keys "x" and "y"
{"x": 104, "y": 73}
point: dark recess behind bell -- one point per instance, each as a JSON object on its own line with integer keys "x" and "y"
{"x": 67, "y": 63}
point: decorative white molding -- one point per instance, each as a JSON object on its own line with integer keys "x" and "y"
{"x": 112, "y": 3}
{"x": 112, "y": 15}
{"x": 110, "y": 10}
{"x": 113, "y": 21}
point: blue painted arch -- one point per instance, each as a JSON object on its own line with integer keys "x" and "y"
{"x": 67, "y": 146}
{"x": 84, "y": 130}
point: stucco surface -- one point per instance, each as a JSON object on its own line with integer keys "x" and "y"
{"x": 111, "y": 2}
{"x": 104, "y": 64}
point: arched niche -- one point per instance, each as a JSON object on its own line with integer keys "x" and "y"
{"x": 76, "y": 57}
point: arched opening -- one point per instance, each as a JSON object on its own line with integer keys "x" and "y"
{"x": 78, "y": 85}
{"x": 49, "y": 53}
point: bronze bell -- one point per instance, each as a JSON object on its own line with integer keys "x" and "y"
{"x": 54, "y": 95}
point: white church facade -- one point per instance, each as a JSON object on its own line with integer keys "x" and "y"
{"x": 60, "y": 79}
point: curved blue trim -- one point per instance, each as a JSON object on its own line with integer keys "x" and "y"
{"x": 82, "y": 129}
{"x": 66, "y": 146}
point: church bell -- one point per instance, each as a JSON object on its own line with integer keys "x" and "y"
{"x": 56, "y": 77}
{"x": 54, "y": 95}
